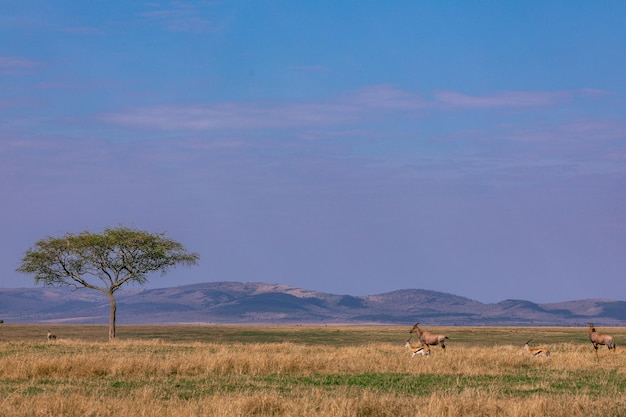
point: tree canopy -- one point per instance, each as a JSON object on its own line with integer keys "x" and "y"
{"x": 105, "y": 261}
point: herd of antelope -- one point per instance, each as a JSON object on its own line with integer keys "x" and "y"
{"x": 425, "y": 340}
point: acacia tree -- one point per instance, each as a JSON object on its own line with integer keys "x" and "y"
{"x": 103, "y": 262}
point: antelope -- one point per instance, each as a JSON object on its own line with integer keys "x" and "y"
{"x": 420, "y": 349}
{"x": 428, "y": 338}
{"x": 51, "y": 336}
{"x": 537, "y": 352}
{"x": 600, "y": 339}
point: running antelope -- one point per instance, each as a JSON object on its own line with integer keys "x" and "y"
{"x": 428, "y": 338}
{"x": 537, "y": 352}
{"x": 417, "y": 349}
{"x": 51, "y": 336}
{"x": 600, "y": 339}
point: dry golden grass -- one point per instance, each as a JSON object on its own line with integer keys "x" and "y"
{"x": 316, "y": 371}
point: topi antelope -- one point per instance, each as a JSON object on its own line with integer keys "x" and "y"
{"x": 416, "y": 349}
{"x": 600, "y": 339}
{"x": 51, "y": 336}
{"x": 537, "y": 352}
{"x": 428, "y": 338}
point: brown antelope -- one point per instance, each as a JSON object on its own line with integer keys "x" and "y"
{"x": 417, "y": 349}
{"x": 537, "y": 352}
{"x": 428, "y": 338}
{"x": 600, "y": 339}
{"x": 51, "y": 336}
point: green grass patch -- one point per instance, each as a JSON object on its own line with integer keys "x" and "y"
{"x": 426, "y": 384}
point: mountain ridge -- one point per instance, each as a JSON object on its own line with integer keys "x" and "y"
{"x": 266, "y": 303}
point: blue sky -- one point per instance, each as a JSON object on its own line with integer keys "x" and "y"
{"x": 352, "y": 147}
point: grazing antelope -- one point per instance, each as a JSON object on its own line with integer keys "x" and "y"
{"x": 428, "y": 338}
{"x": 420, "y": 349}
{"x": 51, "y": 336}
{"x": 537, "y": 352}
{"x": 600, "y": 339}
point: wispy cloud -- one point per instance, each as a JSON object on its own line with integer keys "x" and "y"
{"x": 370, "y": 103}
{"x": 502, "y": 99}
{"x": 594, "y": 92}
{"x": 13, "y": 102}
{"x": 229, "y": 116}
{"x": 17, "y": 65}
{"x": 386, "y": 97}
{"x": 569, "y": 132}
{"x": 355, "y": 106}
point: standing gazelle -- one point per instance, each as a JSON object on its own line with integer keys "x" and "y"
{"x": 51, "y": 336}
{"x": 428, "y": 338}
{"x": 600, "y": 339}
{"x": 537, "y": 352}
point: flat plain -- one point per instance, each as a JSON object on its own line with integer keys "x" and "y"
{"x": 224, "y": 370}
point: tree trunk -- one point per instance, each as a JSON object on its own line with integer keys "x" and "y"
{"x": 112, "y": 315}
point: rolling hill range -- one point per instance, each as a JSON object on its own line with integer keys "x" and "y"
{"x": 262, "y": 303}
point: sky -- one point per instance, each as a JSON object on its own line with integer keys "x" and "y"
{"x": 351, "y": 147}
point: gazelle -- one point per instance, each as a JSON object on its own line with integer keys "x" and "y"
{"x": 537, "y": 352}
{"x": 51, "y": 336}
{"x": 428, "y": 338}
{"x": 600, "y": 339}
{"x": 417, "y": 349}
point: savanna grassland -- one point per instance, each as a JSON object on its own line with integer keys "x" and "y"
{"x": 305, "y": 371}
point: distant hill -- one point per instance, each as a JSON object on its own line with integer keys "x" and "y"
{"x": 263, "y": 303}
